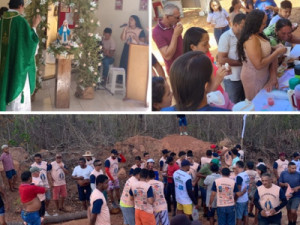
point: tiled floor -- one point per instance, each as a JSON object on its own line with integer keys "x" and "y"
{"x": 103, "y": 101}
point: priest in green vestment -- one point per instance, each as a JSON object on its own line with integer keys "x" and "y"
{"x": 18, "y": 45}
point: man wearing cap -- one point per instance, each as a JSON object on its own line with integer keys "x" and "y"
{"x": 111, "y": 169}
{"x": 296, "y": 160}
{"x": 150, "y": 166}
{"x": 224, "y": 189}
{"x": 8, "y": 165}
{"x": 280, "y": 165}
{"x": 242, "y": 180}
{"x": 58, "y": 180}
{"x": 290, "y": 179}
{"x": 269, "y": 199}
{"x": 163, "y": 165}
{"x": 184, "y": 189}
{"x": 36, "y": 180}
{"x": 126, "y": 203}
{"x": 95, "y": 173}
{"x": 89, "y": 158}
{"x": 81, "y": 174}
{"x": 44, "y": 174}
{"x": 30, "y": 202}
{"x": 182, "y": 156}
{"x": 138, "y": 164}
{"x": 203, "y": 173}
{"x": 171, "y": 169}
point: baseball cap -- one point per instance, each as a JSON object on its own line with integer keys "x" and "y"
{"x": 114, "y": 151}
{"x": 262, "y": 168}
{"x": 215, "y": 161}
{"x": 185, "y": 163}
{"x": 282, "y": 154}
{"x": 4, "y": 146}
{"x": 296, "y": 154}
{"x": 165, "y": 151}
{"x": 150, "y": 161}
{"x": 216, "y": 155}
{"x": 213, "y": 146}
{"x": 169, "y": 159}
{"x": 34, "y": 169}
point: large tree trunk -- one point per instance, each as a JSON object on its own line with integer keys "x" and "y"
{"x": 59, "y": 219}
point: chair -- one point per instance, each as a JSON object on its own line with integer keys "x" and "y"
{"x": 111, "y": 83}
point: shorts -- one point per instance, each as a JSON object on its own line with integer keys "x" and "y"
{"x": 84, "y": 192}
{"x": 113, "y": 185}
{"x": 241, "y": 209}
{"x": 187, "y": 209}
{"x": 293, "y": 203}
{"x": 31, "y": 218}
{"x": 59, "y": 191}
{"x": 211, "y": 213}
{"x": 182, "y": 121}
{"x": 42, "y": 209}
{"x": 2, "y": 211}
{"x": 144, "y": 218}
{"x": 48, "y": 194}
{"x": 10, "y": 174}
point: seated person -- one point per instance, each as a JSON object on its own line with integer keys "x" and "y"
{"x": 281, "y": 33}
{"x": 190, "y": 77}
{"x": 109, "y": 47}
{"x": 284, "y": 12}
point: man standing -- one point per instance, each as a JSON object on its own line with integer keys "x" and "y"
{"x": 89, "y": 157}
{"x": 227, "y": 53}
{"x": 30, "y": 202}
{"x": 235, "y": 157}
{"x": 126, "y": 203}
{"x": 138, "y": 164}
{"x": 182, "y": 124}
{"x": 163, "y": 165}
{"x": 44, "y": 173}
{"x": 184, "y": 190}
{"x": 95, "y": 173}
{"x": 167, "y": 35}
{"x": 111, "y": 169}
{"x": 194, "y": 169}
{"x": 224, "y": 189}
{"x": 58, "y": 176}
{"x": 242, "y": 181}
{"x": 296, "y": 160}
{"x": 18, "y": 44}
{"x": 280, "y": 165}
{"x": 99, "y": 212}
{"x": 291, "y": 179}
{"x": 182, "y": 156}
{"x": 8, "y": 166}
{"x": 172, "y": 168}
{"x": 142, "y": 194}
{"x": 269, "y": 199}
{"x": 81, "y": 174}
{"x": 206, "y": 159}
{"x": 109, "y": 47}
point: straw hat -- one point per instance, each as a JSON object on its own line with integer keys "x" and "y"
{"x": 87, "y": 153}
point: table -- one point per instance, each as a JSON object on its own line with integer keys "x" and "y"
{"x": 280, "y": 96}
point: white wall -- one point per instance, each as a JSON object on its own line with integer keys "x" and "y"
{"x": 109, "y": 17}
{"x": 4, "y": 3}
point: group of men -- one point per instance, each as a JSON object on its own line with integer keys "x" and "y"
{"x": 228, "y": 190}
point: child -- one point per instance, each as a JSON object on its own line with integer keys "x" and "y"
{"x": 234, "y": 10}
{"x": 268, "y": 6}
{"x": 182, "y": 124}
{"x": 218, "y": 18}
{"x": 161, "y": 94}
{"x": 197, "y": 39}
{"x": 191, "y": 77}
{"x": 284, "y": 12}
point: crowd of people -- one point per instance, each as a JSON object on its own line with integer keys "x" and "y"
{"x": 223, "y": 182}
{"x": 252, "y": 42}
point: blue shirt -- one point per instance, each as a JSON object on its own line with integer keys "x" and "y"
{"x": 205, "y": 108}
{"x": 293, "y": 179}
{"x": 259, "y": 4}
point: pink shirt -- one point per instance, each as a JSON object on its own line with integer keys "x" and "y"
{"x": 38, "y": 182}
{"x": 104, "y": 217}
{"x": 160, "y": 203}
{"x": 57, "y": 173}
{"x": 8, "y": 163}
{"x": 162, "y": 36}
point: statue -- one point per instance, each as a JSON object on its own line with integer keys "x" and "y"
{"x": 64, "y": 33}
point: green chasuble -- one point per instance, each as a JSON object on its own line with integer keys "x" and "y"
{"x": 18, "y": 43}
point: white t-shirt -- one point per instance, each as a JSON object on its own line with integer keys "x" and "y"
{"x": 85, "y": 173}
{"x": 245, "y": 184}
{"x": 228, "y": 43}
{"x": 218, "y": 18}
{"x": 180, "y": 178}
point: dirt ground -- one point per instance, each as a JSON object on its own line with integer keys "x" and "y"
{"x": 192, "y": 19}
